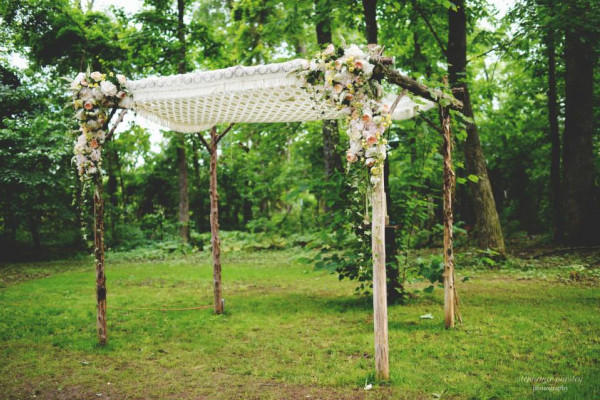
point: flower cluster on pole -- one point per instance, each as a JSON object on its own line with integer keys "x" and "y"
{"x": 343, "y": 78}
{"x": 94, "y": 95}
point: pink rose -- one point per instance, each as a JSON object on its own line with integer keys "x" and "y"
{"x": 330, "y": 49}
{"x": 94, "y": 144}
{"x": 385, "y": 109}
{"x": 338, "y": 88}
{"x": 351, "y": 157}
{"x": 349, "y": 96}
{"x": 369, "y": 162}
{"x": 83, "y": 82}
{"x": 121, "y": 94}
{"x": 88, "y": 105}
{"x": 366, "y": 118}
{"x": 371, "y": 139}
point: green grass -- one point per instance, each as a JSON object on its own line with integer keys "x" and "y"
{"x": 289, "y": 332}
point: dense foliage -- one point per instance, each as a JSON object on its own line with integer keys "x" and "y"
{"x": 271, "y": 177}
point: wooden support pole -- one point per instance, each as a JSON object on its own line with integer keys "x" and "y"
{"x": 214, "y": 221}
{"x": 449, "y": 289}
{"x": 99, "y": 256}
{"x": 380, "y": 322}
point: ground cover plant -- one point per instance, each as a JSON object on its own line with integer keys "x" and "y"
{"x": 290, "y": 331}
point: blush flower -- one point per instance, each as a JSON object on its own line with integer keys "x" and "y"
{"x": 371, "y": 139}
{"x": 108, "y": 88}
{"x": 351, "y": 157}
{"x": 96, "y": 76}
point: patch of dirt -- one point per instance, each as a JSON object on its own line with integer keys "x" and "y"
{"x": 219, "y": 386}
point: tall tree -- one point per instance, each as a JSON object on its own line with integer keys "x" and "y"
{"x": 331, "y": 158}
{"x": 578, "y": 156}
{"x": 184, "y": 196}
{"x": 486, "y": 222}
{"x": 554, "y": 135}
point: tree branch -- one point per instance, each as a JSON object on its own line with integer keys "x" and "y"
{"x": 117, "y": 122}
{"x": 431, "y": 123}
{"x": 501, "y": 46}
{"x": 395, "y": 77}
{"x": 433, "y": 32}
{"x": 223, "y": 133}
{"x": 204, "y": 142}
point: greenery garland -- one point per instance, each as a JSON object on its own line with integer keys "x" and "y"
{"x": 343, "y": 77}
{"x": 94, "y": 95}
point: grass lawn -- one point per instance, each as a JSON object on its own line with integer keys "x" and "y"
{"x": 289, "y": 332}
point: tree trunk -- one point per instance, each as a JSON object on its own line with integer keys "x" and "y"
{"x": 370, "y": 13}
{"x": 487, "y": 227}
{"x": 184, "y": 200}
{"x": 184, "y": 197}
{"x": 34, "y": 228}
{"x": 555, "y": 193}
{"x": 214, "y": 223}
{"x": 449, "y": 288}
{"x": 331, "y": 159}
{"x": 99, "y": 256}
{"x": 578, "y": 157}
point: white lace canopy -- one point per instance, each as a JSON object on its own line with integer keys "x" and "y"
{"x": 266, "y": 93}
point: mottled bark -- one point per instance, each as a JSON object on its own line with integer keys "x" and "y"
{"x": 214, "y": 223}
{"x": 99, "y": 256}
{"x": 450, "y": 297}
{"x": 578, "y": 158}
{"x": 487, "y": 229}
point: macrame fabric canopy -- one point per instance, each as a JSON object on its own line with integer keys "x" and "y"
{"x": 266, "y": 93}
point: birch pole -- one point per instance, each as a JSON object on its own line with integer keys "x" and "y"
{"x": 99, "y": 256}
{"x": 214, "y": 222}
{"x": 449, "y": 289}
{"x": 380, "y": 322}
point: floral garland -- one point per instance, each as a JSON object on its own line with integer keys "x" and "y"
{"x": 343, "y": 78}
{"x": 94, "y": 94}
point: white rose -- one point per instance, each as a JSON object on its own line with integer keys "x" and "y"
{"x": 375, "y": 180}
{"x": 354, "y": 51}
{"x": 77, "y": 81}
{"x": 355, "y": 135}
{"x": 330, "y": 49}
{"x": 97, "y": 93}
{"x": 368, "y": 69}
{"x": 121, "y": 78}
{"x": 85, "y": 94}
{"x": 356, "y": 147}
{"x": 96, "y": 76}
{"x": 372, "y": 152}
{"x": 95, "y": 155}
{"x": 108, "y": 88}
{"x": 382, "y": 148}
